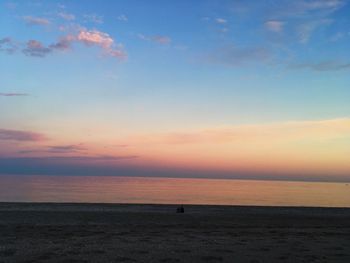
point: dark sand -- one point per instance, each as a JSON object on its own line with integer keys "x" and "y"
{"x": 155, "y": 233}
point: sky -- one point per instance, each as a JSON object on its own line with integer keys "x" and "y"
{"x": 217, "y": 89}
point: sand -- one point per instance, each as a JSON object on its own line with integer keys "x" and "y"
{"x": 155, "y": 233}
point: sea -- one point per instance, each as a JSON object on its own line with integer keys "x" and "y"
{"x": 151, "y": 190}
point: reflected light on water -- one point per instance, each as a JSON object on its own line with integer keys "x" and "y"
{"x": 103, "y": 189}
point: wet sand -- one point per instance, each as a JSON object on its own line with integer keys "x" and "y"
{"x": 155, "y": 233}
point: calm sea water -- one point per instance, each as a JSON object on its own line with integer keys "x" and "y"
{"x": 171, "y": 191}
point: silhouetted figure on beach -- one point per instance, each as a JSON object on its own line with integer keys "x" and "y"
{"x": 180, "y": 209}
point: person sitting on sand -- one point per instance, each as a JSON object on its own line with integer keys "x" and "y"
{"x": 180, "y": 209}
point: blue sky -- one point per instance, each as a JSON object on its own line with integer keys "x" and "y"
{"x": 144, "y": 68}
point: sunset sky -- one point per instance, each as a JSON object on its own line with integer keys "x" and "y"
{"x": 219, "y": 89}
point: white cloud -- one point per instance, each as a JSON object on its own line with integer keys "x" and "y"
{"x": 123, "y": 18}
{"x": 221, "y": 20}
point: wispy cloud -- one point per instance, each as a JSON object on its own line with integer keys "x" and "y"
{"x": 11, "y": 5}
{"x": 164, "y": 40}
{"x": 305, "y": 30}
{"x": 301, "y": 18}
{"x": 123, "y": 18}
{"x": 71, "y": 159}
{"x": 61, "y": 6}
{"x": 338, "y": 36}
{"x": 283, "y": 131}
{"x": 232, "y": 55}
{"x": 61, "y": 149}
{"x": 304, "y": 9}
{"x": 93, "y": 18}
{"x": 274, "y": 26}
{"x": 30, "y": 20}
{"x": 330, "y": 65}
{"x": 318, "y": 5}
{"x": 221, "y": 24}
{"x": 161, "y": 39}
{"x": 66, "y": 148}
{"x": 220, "y": 20}
{"x": 15, "y": 135}
{"x": 12, "y": 94}
{"x": 66, "y": 16}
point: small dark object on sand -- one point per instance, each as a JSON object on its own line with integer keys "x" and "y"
{"x": 180, "y": 209}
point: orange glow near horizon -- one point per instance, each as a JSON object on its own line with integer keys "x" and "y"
{"x": 306, "y": 147}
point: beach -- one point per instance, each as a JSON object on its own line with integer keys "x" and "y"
{"x": 47, "y": 232}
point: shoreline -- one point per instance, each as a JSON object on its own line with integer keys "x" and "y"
{"x": 80, "y": 205}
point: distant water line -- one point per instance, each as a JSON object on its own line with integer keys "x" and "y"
{"x": 106, "y": 189}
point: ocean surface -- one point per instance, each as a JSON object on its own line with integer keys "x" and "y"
{"x": 107, "y": 189}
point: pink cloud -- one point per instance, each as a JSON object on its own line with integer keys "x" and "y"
{"x": 95, "y": 37}
{"x": 16, "y": 135}
{"x": 103, "y": 40}
{"x": 117, "y": 53}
